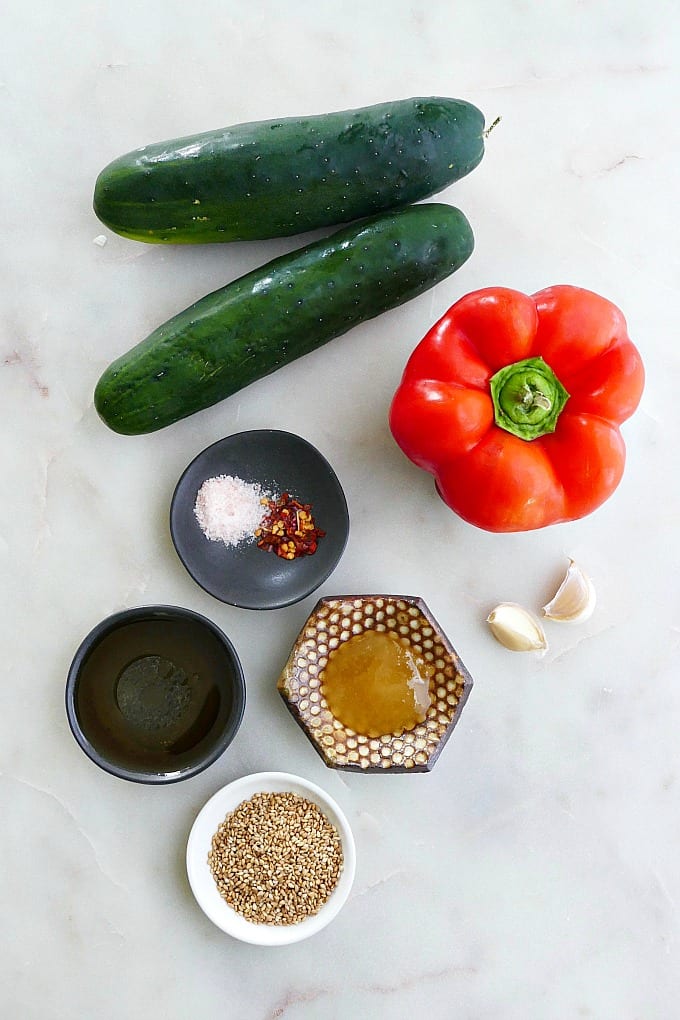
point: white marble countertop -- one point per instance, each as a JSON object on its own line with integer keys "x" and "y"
{"x": 534, "y": 872}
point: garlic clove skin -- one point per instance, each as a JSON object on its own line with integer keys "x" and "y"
{"x": 574, "y": 600}
{"x": 516, "y": 628}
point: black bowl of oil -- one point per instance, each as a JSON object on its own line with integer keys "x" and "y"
{"x": 155, "y": 694}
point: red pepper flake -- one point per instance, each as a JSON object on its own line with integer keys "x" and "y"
{"x": 288, "y": 528}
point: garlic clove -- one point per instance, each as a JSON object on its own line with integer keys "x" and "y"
{"x": 516, "y": 628}
{"x": 574, "y": 600}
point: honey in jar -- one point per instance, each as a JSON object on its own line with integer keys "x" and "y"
{"x": 374, "y": 684}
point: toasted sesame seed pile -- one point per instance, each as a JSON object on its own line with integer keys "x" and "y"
{"x": 276, "y": 858}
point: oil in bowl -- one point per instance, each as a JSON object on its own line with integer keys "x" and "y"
{"x": 155, "y": 694}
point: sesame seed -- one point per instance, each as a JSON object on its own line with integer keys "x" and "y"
{"x": 276, "y": 858}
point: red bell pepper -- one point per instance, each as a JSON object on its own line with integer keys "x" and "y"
{"x": 514, "y": 403}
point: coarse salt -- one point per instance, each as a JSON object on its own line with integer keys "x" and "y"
{"x": 228, "y": 509}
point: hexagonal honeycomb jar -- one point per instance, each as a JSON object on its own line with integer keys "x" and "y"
{"x": 334, "y": 621}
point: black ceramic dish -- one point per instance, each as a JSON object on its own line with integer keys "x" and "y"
{"x": 245, "y": 575}
{"x": 155, "y": 694}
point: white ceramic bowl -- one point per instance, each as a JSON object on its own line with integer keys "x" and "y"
{"x": 203, "y": 884}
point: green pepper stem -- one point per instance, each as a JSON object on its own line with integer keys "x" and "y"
{"x": 535, "y": 398}
{"x": 528, "y": 398}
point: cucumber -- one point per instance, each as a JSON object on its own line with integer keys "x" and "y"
{"x": 281, "y": 177}
{"x": 279, "y": 312}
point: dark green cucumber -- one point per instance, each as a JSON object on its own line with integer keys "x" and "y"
{"x": 279, "y": 312}
{"x": 281, "y": 177}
